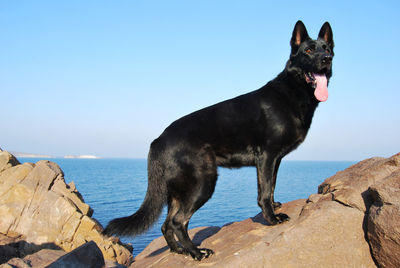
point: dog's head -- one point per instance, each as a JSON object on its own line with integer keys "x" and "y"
{"x": 311, "y": 60}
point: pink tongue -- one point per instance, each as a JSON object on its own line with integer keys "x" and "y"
{"x": 321, "y": 90}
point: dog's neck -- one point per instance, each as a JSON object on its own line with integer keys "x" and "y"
{"x": 300, "y": 94}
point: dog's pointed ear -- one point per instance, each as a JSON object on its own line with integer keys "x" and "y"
{"x": 299, "y": 35}
{"x": 326, "y": 34}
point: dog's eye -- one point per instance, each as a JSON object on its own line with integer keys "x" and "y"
{"x": 309, "y": 50}
{"x": 327, "y": 50}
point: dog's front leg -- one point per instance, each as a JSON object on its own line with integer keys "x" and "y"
{"x": 267, "y": 167}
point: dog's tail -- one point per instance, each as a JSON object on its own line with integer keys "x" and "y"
{"x": 151, "y": 207}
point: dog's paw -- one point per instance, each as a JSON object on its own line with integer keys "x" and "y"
{"x": 202, "y": 253}
{"x": 277, "y": 218}
{"x": 198, "y": 254}
{"x": 281, "y": 217}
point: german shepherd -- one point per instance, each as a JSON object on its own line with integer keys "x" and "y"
{"x": 255, "y": 129}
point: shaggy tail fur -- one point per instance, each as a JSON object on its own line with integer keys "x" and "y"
{"x": 150, "y": 209}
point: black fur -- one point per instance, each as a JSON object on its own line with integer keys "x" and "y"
{"x": 255, "y": 129}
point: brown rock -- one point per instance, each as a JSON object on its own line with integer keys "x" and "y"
{"x": 315, "y": 238}
{"x": 327, "y": 230}
{"x": 16, "y": 263}
{"x": 44, "y": 257}
{"x": 384, "y": 221}
{"x": 349, "y": 186}
{"x": 36, "y": 202}
{"x": 7, "y": 160}
{"x": 86, "y": 256}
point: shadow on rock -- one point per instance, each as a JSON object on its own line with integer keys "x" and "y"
{"x": 21, "y": 249}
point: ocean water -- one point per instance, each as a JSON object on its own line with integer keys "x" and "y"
{"x": 116, "y": 188}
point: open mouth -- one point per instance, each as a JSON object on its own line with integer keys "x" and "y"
{"x": 310, "y": 79}
{"x": 320, "y": 83}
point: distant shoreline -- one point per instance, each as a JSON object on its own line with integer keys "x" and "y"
{"x": 30, "y": 155}
{"x": 81, "y": 157}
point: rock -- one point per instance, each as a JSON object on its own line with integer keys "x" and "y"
{"x": 86, "y": 256}
{"x": 356, "y": 213}
{"x": 36, "y": 202}
{"x": 15, "y": 263}
{"x": 13, "y": 248}
{"x": 7, "y": 160}
{"x": 384, "y": 221}
{"x": 350, "y": 186}
{"x": 7, "y": 252}
{"x": 44, "y": 257}
{"x": 329, "y": 229}
{"x": 314, "y": 237}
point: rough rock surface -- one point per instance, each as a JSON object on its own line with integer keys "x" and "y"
{"x": 14, "y": 254}
{"x": 353, "y": 221}
{"x": 350, "y": 186}
{"x": 37, "y": 205}
{"x": 85, "y": 256}
{"x": 17, "y": 252}
{"x": 384, "y": 221}
{"x": 329, "y": 229}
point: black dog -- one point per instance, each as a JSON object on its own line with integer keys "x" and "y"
{"x": 255, "y": 129}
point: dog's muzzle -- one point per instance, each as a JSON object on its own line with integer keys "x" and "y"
{"x": 327, "y": 59}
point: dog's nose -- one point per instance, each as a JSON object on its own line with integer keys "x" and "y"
{"x": 327, "y": 59}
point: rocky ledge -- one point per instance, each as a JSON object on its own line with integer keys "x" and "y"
{"x": 43, "y": 218}
{"x": 353, "y": 221}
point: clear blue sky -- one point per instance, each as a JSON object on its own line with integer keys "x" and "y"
{"x": 107, "y": 77}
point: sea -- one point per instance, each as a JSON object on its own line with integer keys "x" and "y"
{"x": 116, "y": 188}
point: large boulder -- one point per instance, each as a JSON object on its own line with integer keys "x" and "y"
{"x": 384, "y": 221}
{"x": 35, "y": 202}
{"x": 337, "y": 227}
{"x": 373, "y": 186}
{"x": 350, "y": 186}
{"x": 314, "y": 237}
{"x": 86, "y": 256}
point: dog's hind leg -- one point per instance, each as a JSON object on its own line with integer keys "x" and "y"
{"x": 167, "y": 228}
{"x": 187, "y": 193}
{"x": 178, "y": 225}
